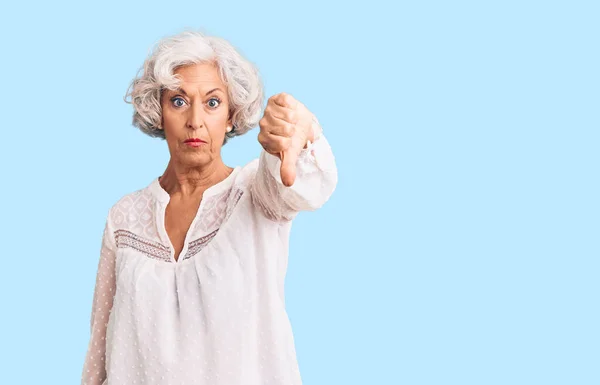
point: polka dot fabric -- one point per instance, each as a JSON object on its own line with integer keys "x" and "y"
{"x": 216, "y": 314}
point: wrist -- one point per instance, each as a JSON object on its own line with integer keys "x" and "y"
{"x": 314, "y": 131}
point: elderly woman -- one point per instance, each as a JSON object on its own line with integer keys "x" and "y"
{"x": 190, "y": 281}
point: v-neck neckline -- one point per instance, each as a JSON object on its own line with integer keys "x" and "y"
{"x": 163, "y": 199}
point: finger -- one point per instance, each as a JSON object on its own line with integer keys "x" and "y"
{"x": 273, "y": 143}
{"x": 276, "y": 126}
{"x": 288, "y": 167}
{"x": 285, "y": 100}
{"x": 282, "y": 113}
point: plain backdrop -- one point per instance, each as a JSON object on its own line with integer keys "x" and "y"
{"x": 461, "y": 245}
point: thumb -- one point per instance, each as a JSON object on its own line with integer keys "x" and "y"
{"x": 288, "y": 166}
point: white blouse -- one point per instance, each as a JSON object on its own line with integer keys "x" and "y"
{"x": 216, "y": 315}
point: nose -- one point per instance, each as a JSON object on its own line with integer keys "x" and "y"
{"x": 195, "y": 116}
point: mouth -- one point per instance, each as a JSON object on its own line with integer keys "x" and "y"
{"x": 195, "y": 142}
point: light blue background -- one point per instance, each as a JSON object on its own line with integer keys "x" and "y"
{"x": 461, "y": 245}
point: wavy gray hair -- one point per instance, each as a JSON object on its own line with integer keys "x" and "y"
{"x": 241, "y": 77}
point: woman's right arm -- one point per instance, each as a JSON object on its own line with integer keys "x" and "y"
{"x": 94, "y": 369}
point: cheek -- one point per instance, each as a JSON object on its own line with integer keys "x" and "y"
{"x": 217, "y": 135}
{"x": 216, "y": 139}
{"x": 217, "y": 125}
{"x": 169, "y": 116}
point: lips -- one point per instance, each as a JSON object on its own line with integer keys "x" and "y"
{"x": 195, "y": 140}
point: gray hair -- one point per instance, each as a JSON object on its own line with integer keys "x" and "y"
{"x": 241, "y": 77}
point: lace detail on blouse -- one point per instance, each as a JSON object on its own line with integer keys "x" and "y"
{"x": 316, "y": 178}
{"x": 217, "y": 209}
{"x": 197, "y": 245}
{"x": 152, "y": 249}
{"x": 94, "y": 369}
{"x": 135, "y": 212}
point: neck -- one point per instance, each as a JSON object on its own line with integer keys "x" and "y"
{"x": 190, "y": 181}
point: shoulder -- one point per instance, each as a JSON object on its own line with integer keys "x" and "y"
{"x": 130, "y": 205}
{"x": 246, "y": 174}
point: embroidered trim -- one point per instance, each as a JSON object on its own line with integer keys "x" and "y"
{"x": 195, "y": 246}
{"x": 155, "y": 250}
{"x": 236, "y": 198}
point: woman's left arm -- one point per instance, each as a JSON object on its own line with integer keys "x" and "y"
{"x": 297, "y": 170}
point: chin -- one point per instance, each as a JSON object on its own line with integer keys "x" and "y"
{"x": 196, "y": 158}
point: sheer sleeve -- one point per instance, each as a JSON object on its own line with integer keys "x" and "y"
{"x": 94, "y": 369}
{"x": 316, "y": 179}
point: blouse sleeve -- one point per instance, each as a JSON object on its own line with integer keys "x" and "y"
{"x": 94, "y": 369}
{"x": 316, "y": 179}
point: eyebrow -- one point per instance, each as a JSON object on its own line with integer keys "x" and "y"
{"x": 209, "y": 92}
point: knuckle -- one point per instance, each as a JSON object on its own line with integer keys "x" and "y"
{"x": 279, "y": 144}
{"x": 289, "y": 129}
{"x": 275, "y": 146}
{"x": 292, "y": 116}
{"x": 283, "y": 141}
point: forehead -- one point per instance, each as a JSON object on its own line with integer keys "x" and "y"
{"x": 199, "y": 77}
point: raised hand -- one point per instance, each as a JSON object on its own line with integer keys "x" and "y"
{"x": 285, "y": 129}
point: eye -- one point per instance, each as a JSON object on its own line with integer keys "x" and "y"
{"x": 175, "y": 101}
{"x": 213, "y": 100}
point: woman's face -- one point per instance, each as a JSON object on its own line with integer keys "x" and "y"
{"x": 199, "y": 109}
